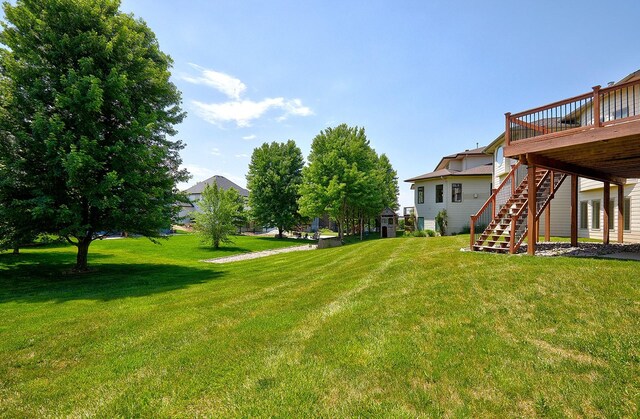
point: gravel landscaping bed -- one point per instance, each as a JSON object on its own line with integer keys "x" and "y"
{"x": 582, "y": 250}
{"x": 255, "y": 255}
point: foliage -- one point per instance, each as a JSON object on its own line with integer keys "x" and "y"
{"x": 88, "y": 112}
{"x": 346, "y": 179}
{"x": 411, "y": 222}
{"x": 218, "y": 214}
{"x": 479, "y": 228}
{"x": 274, "y": 178}
{"x": 401, "y": 224}
{"x": 419, "y": 233}
{"x": 430, "y": 233}
{"x": 408, "y": 322}
{"x": 441, "y": 222}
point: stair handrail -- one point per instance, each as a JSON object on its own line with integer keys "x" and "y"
{"x": 492, "y": 200}
{"x": 513, "y": 246}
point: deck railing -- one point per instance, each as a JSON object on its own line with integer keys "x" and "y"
{"x": 599, "y": 108}
{"x": 498, "y": 198}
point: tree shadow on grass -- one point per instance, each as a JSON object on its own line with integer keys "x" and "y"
{"x": 43, "y": 277}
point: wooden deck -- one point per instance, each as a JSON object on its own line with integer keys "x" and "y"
{"x": 563, "y": 135}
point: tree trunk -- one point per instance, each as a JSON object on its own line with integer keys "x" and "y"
{"x": 279, "y": 232}
{"x": 83, "y": 254}
{"x": 16, "y": 250}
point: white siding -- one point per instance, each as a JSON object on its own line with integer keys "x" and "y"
{"x": 631, "y": 191}
{"x": 475, "y": 192}
{"x": 560, "y": 211}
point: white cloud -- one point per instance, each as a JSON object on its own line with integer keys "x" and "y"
{"x": 215, "y": 151}
{"x": 242, "y": 156}
{"x": 238, "y": 110}
{"x": 242, "y": 112}
{"x": 249, "y": 137}
{"x": 229, "y": 85}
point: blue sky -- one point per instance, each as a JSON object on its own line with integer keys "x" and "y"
{"x": 425, "y": 78}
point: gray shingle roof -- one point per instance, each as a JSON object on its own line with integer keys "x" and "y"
{"x": 221, "y": 181}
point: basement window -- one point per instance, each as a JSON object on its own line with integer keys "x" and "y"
{"x": 583, "y": 214}
{"x": 627, "y": 214}
{"x": 595, "y": 214}
{"x": 612, "y": 211}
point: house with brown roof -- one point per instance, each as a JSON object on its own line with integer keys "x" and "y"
{"x": 460, "y": 184}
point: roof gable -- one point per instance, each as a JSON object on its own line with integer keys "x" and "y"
{"x": 222, "y": 183}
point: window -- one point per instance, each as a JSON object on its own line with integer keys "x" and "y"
{"x": 439, "y": 193}
{"x": 627, "y": 214}
{"x": 583, "y": 215}
{"x": 595, "y": 214}
{"x": 420, "y": 223}
{"x": 499, "y": 156}
{"x": 612, "y": 211}
{"x": 456, "y": 192}
{"x": 420, "y": 194}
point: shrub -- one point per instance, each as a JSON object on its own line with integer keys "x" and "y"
{"x": 430, "y": 233}
{"x": 479, "y": 228}
{"x": 441, "y": 222}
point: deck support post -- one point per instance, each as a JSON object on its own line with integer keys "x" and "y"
{"x": 532, "y": 197}
{"x": 620, "y": 213}
{"x": 547, "y": 223}
{"x": 606, "y": 213}
{"x": 574, "y": 210}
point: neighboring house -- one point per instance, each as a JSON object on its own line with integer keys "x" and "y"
{"x": 194, "y": 194}
{"x": 585, "y": 154}
{"x": 460, "y": 184}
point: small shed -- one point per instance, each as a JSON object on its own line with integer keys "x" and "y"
{"x": 388, "y": 223}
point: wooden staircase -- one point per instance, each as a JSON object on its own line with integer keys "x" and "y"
{"x": 508, "y": 226}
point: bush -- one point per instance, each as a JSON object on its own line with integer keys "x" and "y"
{"x": 479, "y": 228}
{"x": 418, "y": 233}
{"x": 441, "y": 222}
{"x": 430, "y": 233}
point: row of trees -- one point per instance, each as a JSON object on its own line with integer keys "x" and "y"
{"x": 345, "y": 178}
{"x": 87, "y": 112}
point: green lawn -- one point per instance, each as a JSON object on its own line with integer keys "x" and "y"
{"x": 394, "y": 327}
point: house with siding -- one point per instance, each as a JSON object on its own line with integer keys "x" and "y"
{"x": 460, "y": 184}
{"x": 194, "y": 193}
{"x": 570, "y": 165}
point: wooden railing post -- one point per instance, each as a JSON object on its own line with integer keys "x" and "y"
{"x": 493, "y": 207}
{"x": 472, "y": 233}
{"x": 512, "y": 236}
{"x": 596, "y": 106}
{"x": 507, "y": 129}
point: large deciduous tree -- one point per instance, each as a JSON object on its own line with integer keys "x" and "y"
{"x": 274, "y": 179}
{"x": 89, "y": 115}
{"x": 346, "y": 179}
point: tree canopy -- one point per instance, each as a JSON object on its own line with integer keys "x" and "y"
{"x": 86, "y": 120}
{"x": 274, "y": 179}
{"x": 218, "y": 215}
{"x": 346, "y": 178}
